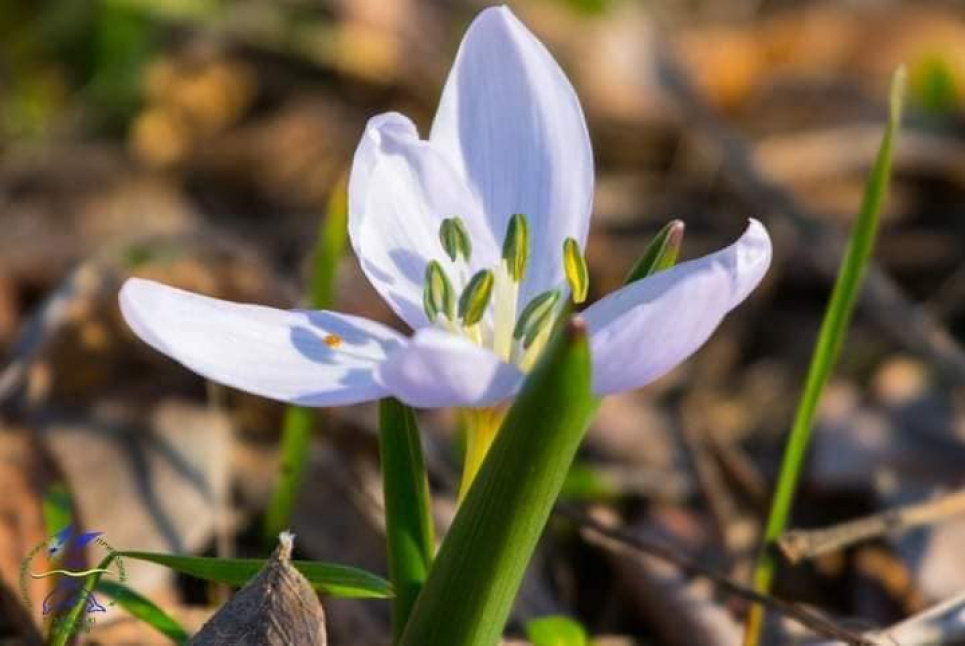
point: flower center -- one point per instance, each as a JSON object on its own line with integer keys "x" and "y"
{"x": 486, "y": 310}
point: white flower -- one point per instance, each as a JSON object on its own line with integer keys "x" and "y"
{"x": 427, "y": 218}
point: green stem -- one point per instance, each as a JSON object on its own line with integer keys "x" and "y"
{"x": 408, "y": 518}
{"x": 70, "y": 623}
{"x": 477, "y": 573}
{"x": 296, "y": 439}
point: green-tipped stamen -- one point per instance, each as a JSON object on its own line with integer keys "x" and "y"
{"x": 516, "y": 247}
{"x": 455, "y": 239}
{"x": 438, "y": 296}
{"x": 577, "y": 274}
{"x": 535, "y": 315}
{"x": 475, "y": 298}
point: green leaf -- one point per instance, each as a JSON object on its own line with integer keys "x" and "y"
{"x": 834, "y": 326}
{"x": 408, "y": 521}
{"x": 300, "y": 422}
{"x": 660, "y": 254}
{"x": 338, "y": 581}
{"x": 334, "y": 580}
{"x": 477, "y": 573}
{"x": 144, "y": 609}
{"x": 556, "y": 631}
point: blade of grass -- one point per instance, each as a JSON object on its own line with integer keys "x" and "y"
{"x": 144, "y": 609}
{"x": 300, "y": 422}
{"x": 57, "y": 507}
{"x": 477, "y": 573}
{"x": 65, "y": 629}
{"x": 830, "y": 338}
{"x": 338, "y": 581}
{"x": 408, "y": 522}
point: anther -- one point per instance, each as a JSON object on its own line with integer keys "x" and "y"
{"x": 516, "y": 247}
{"x": 455, "y": 239}
{"x": 438, "y": 296}
{"x": 475, "y": 298}
{"x": 535, "y": 316}
{"x": 574, "y": 266}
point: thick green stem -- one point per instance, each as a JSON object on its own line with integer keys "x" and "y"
{"x": 477, "y": 573}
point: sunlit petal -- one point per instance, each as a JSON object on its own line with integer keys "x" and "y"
{"x": 438, "y": 369}
{"x": 313, "y": 358}
{"x": 400, "y": 191}
{"x": 642, "y": 331}
{"x": 511, "y": 124}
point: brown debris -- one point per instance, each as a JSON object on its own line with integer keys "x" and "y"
{"x": 276, "y": 608}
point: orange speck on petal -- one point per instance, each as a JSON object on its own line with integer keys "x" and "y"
{"x": 333, "y": 340}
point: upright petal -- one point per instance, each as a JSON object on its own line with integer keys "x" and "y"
{"x": 400, "y": 191}
{"x": 437, "y": 369}
{"x": 309, "y": 358}
{"x": 511, "y": 124}
{"x": 643, "y": 330}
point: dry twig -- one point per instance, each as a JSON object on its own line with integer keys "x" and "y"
{"x": 801, "y": 544}
{"x": 606, "y": 536}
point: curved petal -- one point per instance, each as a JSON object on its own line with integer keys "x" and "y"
{"x": 437, "y": 369}
{"x": 310, "y": 358}
{"x": 400, "y": 190}
{"x": 511, "y": 124}
{"x": 643, "y": 330}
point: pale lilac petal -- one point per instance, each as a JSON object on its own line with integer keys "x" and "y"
{"x": 400, "y": 190}
{"x": 280, "y": 354}
{"x": 642, "y": 331}
{"x": 367, "y": 155}
{"x": 437, "y": 369}
{"x": 511, "y": 124}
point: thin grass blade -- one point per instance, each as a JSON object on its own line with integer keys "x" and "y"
{"x": 338, "y": 581}
{"x": 142, "y": 608}
{"x": 300, "y": 422}
{"x": 58, "y": 507}
{"x": 67, "y": 627}
{"x": 834, "y": 327}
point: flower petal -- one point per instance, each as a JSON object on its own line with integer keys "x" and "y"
{"x": 437, "y": 369}
{"x": 643, "y": 330}
{"x": 400, "y": 191}
{"x": 312, "y": 358}
{"x": 511, "y": 124}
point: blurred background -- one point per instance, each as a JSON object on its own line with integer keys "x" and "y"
{"x": 198, "y": 142}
